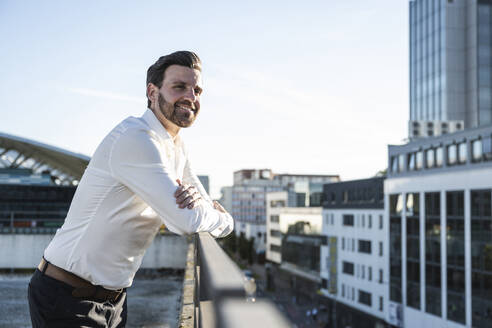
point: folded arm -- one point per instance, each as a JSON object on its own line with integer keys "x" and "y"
{"x": 138, "y": 161}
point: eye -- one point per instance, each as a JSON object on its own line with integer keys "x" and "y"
{"x": 179, "y": 87}
{"x": 198, "y": 91}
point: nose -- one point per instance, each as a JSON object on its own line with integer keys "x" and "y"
{"x": 191, "y": 95}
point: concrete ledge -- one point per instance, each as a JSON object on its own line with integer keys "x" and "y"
{"x": 24, "y": 251}
{"x": 187, "y": 315}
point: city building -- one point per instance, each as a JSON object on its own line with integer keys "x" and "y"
{"x": 438, "y": 197}
{"x": 205, "y": 181}
{"x": 354, "y": 260}
{"x": 450, "y": 66}
{"x": 249, "y": 198}
{"x": 226, "y": 198}
{"x": 293, "y": 247}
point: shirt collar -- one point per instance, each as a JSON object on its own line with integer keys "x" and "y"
{"x": 156, "y": 125}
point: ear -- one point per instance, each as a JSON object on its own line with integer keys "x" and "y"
{"x": 152, "y": 92}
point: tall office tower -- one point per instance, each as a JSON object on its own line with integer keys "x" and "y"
{"x": 450, "y": 65}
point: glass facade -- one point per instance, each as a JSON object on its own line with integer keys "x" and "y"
{"x": 433, "y": 253}
{"x": 439, "y": 67}
{"x": 427, "y": 77}
{"x": 455, "y": 237}
{"x": 484, "y": 41}
{"x": 413, "y": 250}
{"x": 481, "y": 256}
{"x": 396, "y": 207}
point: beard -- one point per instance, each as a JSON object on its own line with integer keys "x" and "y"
{"x": 175, "y": 114}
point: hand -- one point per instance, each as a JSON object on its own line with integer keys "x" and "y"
{"x": 219, "y": 207}
{"x": 187, "y": 195}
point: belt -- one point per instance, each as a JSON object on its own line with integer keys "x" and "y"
{"x": 82, "y": 288}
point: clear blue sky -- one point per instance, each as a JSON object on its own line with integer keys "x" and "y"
{"x": 316, "y": 87}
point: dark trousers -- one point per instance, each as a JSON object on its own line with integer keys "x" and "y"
{"x": 51, "y": 304}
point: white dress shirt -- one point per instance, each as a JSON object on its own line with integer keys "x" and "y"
{"x": 124, "y": 196}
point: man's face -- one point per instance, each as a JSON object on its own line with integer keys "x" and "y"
{"x": 179, "y": 95}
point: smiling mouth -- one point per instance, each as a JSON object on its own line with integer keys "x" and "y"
{"x": 186, "y": 108}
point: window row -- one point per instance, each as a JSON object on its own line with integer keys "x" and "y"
{"x": 363, "y": 297}
{"x": 456, "y": 154}
{"x": 361, "y": 220}
{"x": 364, "y": 246}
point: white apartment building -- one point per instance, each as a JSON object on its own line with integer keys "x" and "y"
{"x": 354, "y": 263}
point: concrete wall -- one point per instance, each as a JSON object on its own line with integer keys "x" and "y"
{"x": 25, "y": 251}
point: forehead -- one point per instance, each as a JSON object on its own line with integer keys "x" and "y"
{"x": 177, "y": 73}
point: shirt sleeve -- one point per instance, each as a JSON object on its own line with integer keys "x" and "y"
{"x": 138, "y": 161}
{"x": 190, "y": 177}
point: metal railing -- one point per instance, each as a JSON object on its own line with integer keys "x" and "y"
{"x": 214, "y": 293}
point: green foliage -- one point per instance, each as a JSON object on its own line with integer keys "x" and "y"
{"x": 230, "y": 243}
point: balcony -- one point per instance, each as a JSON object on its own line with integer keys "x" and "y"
{"x": 215, "y": 293}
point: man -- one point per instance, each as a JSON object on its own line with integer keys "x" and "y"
{"x": 139, "y": 178}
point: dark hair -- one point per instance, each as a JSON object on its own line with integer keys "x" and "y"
{"x": 155, "y": 73}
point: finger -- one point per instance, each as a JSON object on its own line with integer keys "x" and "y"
{"x": 178, "y": 191}
{"x": 184, "y": 189}
{"x": 196, "y": 200}
{"x": 186, "y": 193}
{"x": 189, "y": 199}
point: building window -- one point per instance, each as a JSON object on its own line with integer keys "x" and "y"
{"x": 353, "y": 244}
{"x": 462, "y": 155}
{"x": 455, "y": 230}
{"x": 411, "y": 161}
{"x": 419, "y": 160}
{"x": 369, "y": 224}
{"x": 274, "y": 218}
{"x": 380, "y": 248}
{"x": 275, "y": 248}
{"x": 394, "y": 164}
{"x": 365, "y": 246}
{"x": 380, "y": 276}
{"x": 380, "y": 222}
{"x": 401, "y": 162}
{"x": 396, "y": 208}
{"x": 332, "y": 219}
{"x": 452, "y": 154}
{"x": 429, "y": 158}
{"x": 343, "y": 290}
{"x": 275, "y": 233}
{"x": 353, "y": 294}
{"x": 348, "y": 268}
{"x": 433, "y": 253}
{"x": 363, "y": 271}
{"x": 348, "y": 220}
{"x": 477, "y": 150}
{"x": 343, "y": 243}
{"x": 481, "y": 258}
{"x": 369, "y": 273}
{"x": 381, "y": 307}
{"x": 413, "y": 250}
{"x": 365, "y": 298}
{"x": 439, "y": 157}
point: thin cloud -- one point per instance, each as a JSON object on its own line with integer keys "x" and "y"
{"x": 106, "y": 95}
